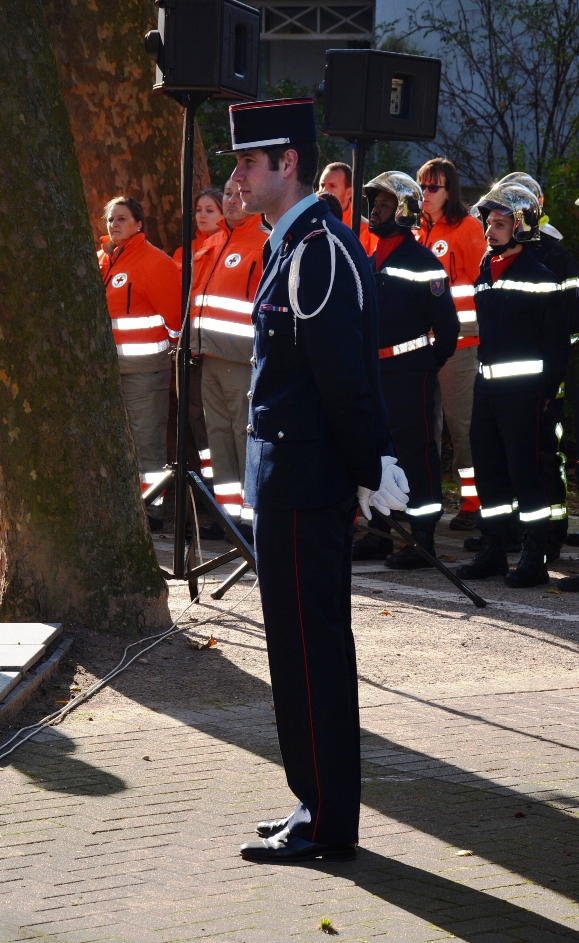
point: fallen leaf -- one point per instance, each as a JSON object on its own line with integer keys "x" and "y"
{"x": 464, "y": 853}
{"x": 63, "y": 702}
{"x": 445, "y": 559}
{"x": 554, "y": 592}
{"x": 376, "y": 591}
{"x": 146, "y": 758}
{"x": 75, "y": 687}
{"x": 384, "y": 612}
{"x": 198, "y": 645}
{"x": 519, "y": 815}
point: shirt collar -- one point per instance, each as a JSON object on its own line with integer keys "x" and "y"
{"x": 289, "y": 217}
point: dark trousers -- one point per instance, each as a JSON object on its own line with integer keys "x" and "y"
{"x": 304, "y": 569}
{"x": 409, "y": 399}
{"x": 505, "y": 440}
{"x": 554, "y": 462}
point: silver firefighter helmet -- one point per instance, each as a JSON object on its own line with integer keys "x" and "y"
{"x": 519, "y": 178}
{"x": 513, "y": 200}
{"x": 407, "y": 192}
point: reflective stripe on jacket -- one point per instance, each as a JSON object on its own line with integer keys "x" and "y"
{"x": 143, "y": 291}
{"x": 222, "y": 303}
{"x": 459, "y": 248}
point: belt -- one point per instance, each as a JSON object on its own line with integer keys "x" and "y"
{"x": 404, "y": 348}
{"x": 519, "y": 368}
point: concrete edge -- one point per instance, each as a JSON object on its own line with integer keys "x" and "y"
{"x": 22, "y": 693}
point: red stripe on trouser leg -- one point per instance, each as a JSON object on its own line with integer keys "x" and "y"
{"x": 469, "y": 502}
{"x": 306, "y": 674}
{"x": 229, "y": 499}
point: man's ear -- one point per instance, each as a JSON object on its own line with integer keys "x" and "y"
{"x": 289, "y": 162}
{"x": 349, "y": 193}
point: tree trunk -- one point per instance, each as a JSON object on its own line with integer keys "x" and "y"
{"x": 74, "y": 541}
{"x": 127, "y": 139}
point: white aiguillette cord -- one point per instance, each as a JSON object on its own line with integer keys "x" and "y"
{"x": 294, "y": 276}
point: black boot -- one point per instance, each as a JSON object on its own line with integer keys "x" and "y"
{"x": 532, "y": 567}
{"x": 372, "y": 546}
{"x": 408, "y": 558}
{"x": 491, "y": 560}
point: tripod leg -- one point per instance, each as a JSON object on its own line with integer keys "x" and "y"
{"x": 219, "y": 593}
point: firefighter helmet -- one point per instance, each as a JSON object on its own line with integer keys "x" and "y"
{"x": 517, "y": 201}
{"x": 407, "y": 192}
{"x": 524, "y": 180}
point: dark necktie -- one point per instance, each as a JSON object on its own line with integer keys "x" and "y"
{"x": 266, "y": 252}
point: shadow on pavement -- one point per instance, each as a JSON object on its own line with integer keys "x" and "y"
{"x": 452, "y": 907}
{"x": 50, "y": 765}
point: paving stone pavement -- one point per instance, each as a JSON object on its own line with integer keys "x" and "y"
{"x": 126, "y": 827}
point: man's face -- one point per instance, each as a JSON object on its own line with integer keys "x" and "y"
{"x": 334, "y": 181}
{"x": 383, "y": 210}
{"x": 261, "y": 188}
{"x": 232, "y": 208}
{"x": 499, "y": 229}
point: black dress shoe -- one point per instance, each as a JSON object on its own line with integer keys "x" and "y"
{"x": 289, "y": 849}
{"x": 266, "y": 829}
{"x": 570, "y": 584}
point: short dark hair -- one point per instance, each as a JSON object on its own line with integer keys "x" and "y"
{"x": 308, "y": 159}
{"x": 214, "y": 194}
{"x": 134, "y": 207}
{"x": 333, "y": 203}
{"x": 454, "y": 208}
{"x": 345, "y": 168}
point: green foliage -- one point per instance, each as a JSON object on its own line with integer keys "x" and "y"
{"x": 326, "y": 926}
{"x": 561, "y": 191}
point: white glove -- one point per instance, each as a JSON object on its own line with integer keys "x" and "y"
{"x": 392, "y": 493}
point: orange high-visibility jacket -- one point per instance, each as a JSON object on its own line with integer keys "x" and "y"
{"x": 459, "y": 248}
{"x": 143, "y": 289}
{"x": 221, "y": 307}
{"x": 368, "y": 240}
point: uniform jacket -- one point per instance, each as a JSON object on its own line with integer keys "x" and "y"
{"x": 316, "y": 418}
{"x": 565, "y": 268}
{"x": 522, "y": 318}
{"x": 223, "y": 302}
{"x": 367, "y": 238}
{"x": 143, "y": 289}
{"x": 414, "y": 299}
{"x": 459, "y": 248}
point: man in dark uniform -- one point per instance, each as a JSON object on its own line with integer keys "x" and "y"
{"x": 316, "y": 436}
{"x": 418, "y": 329}
{"x": 524, "y": 345}
{"x": 549, "y": 251}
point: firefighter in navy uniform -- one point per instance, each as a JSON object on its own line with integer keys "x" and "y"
{"x": 317, "y": 446}
{"x": 415, "y": 306}
{"x": 523, "y": 351}
{"x": 549, "y": 251}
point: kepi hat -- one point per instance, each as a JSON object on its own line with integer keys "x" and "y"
{"x": 271, "y": 123}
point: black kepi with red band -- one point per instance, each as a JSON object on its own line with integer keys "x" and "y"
{"x": 271, "y": 123}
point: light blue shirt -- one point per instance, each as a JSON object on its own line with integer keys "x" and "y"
{"x": 289, "y": 217}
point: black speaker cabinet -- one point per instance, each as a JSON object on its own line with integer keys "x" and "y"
{"x": 380, "y": 95}
{"x": 206, "y": 45}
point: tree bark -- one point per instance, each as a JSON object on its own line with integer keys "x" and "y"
{"x": 74, "y": 541}
{"x": 128, "y": 140}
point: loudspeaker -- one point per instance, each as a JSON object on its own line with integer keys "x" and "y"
{"x": 206, "y": 46}
{"x": 380, "y": 95}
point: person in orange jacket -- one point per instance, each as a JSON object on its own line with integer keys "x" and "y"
{"x": 222, "y": 333}
{"x": 209, "y": 220}
{"x": 143, "y": 291}
{"x": 458, "y": 242}
{"x": 336, "y": 179}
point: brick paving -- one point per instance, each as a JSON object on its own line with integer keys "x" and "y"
{"x": 125, "y": 827}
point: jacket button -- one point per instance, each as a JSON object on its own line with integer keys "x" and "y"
{"x": 280, "y": 435}
{"x": 271, "y": 333}
{"x": 249, "y": 429}
{"x": 250, "y": 395}
{"x": 252, "y": 361}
